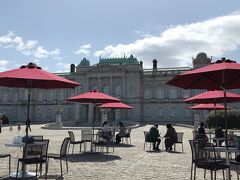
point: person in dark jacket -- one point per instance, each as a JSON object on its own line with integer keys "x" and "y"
{"x": 155, "y": 137}
{"x": 201, "y": 134}
{"x": 170, "y": 137}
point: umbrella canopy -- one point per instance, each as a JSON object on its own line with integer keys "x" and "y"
{"x": 31, "y": 76}
{"x": 115, "y": 105}
{"x": 223, "y": 74}
{"x": 93, "y": 96}
{"x": 207, "y": 107}
{"x": 213, "y": 97}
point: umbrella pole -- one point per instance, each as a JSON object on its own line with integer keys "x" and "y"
{"x": 28, "y": 113}
{"x": 216, "y": 114}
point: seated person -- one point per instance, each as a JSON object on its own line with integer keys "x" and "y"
{"x": 201, "y": 134}
{"x": 122, "y": 132}
{"x": 170, "y": 137}
{"x": 105, "y": 131}
{"x": 155, "y": 137}
{"x": 219, "y": 134}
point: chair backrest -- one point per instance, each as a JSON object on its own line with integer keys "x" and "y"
{"x": 37, "y": 137}
{"x": 128, "y": 132}
{"x": 63, "y": 150}
{"x": 45, "y": 143}
{"x": 198, "y": 153}
{"x": 86, "y": 135}
{"x": 32, "y": 150}
{"x": 147, "y": 137}
{"x": 179, "y": 137}
{"x": 71, "y": 136}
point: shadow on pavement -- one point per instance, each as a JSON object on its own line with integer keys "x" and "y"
{"x": 92, "y": 157}
{"x": 123, "y": 145}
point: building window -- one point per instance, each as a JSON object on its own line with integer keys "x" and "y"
{"x": 70, "y": 113}
{"x": 15, "y": 97}
{"x": 187, "y": 112}
{"x": 173, "y": 93}
{"x": 173, "y": 112}
{"x": 40, "y": 96}
{"x": 106, "y": 89}
{"x": 118, "y": 91}
{"x": 186, "y": 93}
{"x": 160, "y": 112}
{"x": 160, "y": 93}
{"x": 147, "y": 94}
{"x": 5, "y": 97}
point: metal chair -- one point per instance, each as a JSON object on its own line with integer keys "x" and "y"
{"x": 9, "y": 160}
{"x": 205, "y": 160}
{"x": 127, "y": 136}
{"x": 45, "y": 143}
{"x": 147, "y": 139}
{"x": 61, "y": 156}
{"x": 86, "y": 136}
{"x": 32, "y": 154}
{"x": 101, "y": 143}
{"x": 179, "y": 140}
{"x": 73, "y": 141}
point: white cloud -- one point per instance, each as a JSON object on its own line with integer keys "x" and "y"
{"x": 28, "y": 48}
{"x": 62, "y": 67}
{"x": 3, "y": 64}
{"x": 178, "y": 44}
{"x": 84, "y": 50}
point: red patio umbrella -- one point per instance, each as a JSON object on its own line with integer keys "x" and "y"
{"x": 94, "y": 97}
{"x": 115, "y": 105}
{"x": 31, "y": 76}
{"x": 207, "y": 107}
{"x": 213, "y": 97}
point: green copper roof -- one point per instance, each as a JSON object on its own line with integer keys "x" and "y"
{"x": 84, "y": 62}
{"x": 123, "y": 60}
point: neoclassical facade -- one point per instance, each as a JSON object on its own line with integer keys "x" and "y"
{"x": 125, "y": 78}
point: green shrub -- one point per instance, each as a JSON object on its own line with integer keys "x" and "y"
{"x": 5, "y": 119}
{"x": 233, "y": 119}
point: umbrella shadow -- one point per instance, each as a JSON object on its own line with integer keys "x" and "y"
{"x": 175, "y": 152}
{"x": 92, "y": 157}
{"x": 123, "y": 145}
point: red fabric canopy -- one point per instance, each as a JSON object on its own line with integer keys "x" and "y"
{"x": 115, "y": 105}
{"x": 222, "y": 74}
{"x": 93, "y": 96}
{"x": 207, "y": 106}
{"x": 32, "y": 76}
{"x": 213, "y": 97}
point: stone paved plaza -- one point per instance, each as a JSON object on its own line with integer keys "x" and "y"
{"x": 127, "y": 162}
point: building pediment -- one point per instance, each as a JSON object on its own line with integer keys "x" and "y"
{"x": 106, "y": 68}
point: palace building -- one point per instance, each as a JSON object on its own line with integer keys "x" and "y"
{"x": 125, "y": 78}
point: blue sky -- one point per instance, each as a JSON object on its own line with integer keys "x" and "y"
{"x": 56, "y": 33}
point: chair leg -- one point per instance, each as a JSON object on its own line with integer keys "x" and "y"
{"x": 215, "y": 174}
{"x": 80, "y": 147}
{"x": 182, "y": 147}
{"x": 237, "y": 176}
{"x": 17, "y": 169}
{"x": 211, "y": 175}
{"x": 191, "y": 169}
{"x": 195, "y": 169}
{"x": 68, "y": 147}
{"x": 36, "y": 169}
{"x": 61, "y": 167}
{"x": 72, "y": 148}
{"x": 66, "y": 163}
{"x": 9, "y": 164}
{"x": 223, "y": 175}
{"x": 130, "y": 140}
